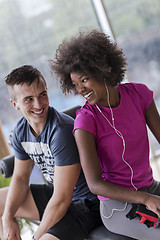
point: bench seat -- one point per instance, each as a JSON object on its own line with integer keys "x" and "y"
{"x": 101, "y": 233}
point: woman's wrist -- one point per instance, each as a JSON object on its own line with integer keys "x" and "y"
{"x": 145, "y": 198}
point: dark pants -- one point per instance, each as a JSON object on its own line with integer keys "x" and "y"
{"x": 81, "y": 218}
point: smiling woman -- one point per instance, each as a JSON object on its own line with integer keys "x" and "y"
{"x": 112, "y": 124}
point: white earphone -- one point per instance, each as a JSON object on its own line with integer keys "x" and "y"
{"x": 123, "y": 141}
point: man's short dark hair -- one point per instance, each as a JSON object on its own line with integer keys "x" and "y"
{"x": 24, "y": 74}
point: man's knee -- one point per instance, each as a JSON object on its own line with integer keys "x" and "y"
{"x": 48, "y": 236}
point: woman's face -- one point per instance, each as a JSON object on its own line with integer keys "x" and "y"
{"x": 92, "y": 90}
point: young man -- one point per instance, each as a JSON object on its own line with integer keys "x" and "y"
{"x": 44, "y": 137}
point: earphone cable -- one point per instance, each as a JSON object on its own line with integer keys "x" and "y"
{"x": 123, "y": 152}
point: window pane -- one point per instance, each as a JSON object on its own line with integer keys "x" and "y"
{"x": 136, "y": 25}
{"x": 29, "y": 34}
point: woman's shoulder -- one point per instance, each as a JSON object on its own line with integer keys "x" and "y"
{"x": 133, "y": 87}
{"x": 86, "y": 109}
{"x": 138, "y": 92}
{"x": 86, "y": 119}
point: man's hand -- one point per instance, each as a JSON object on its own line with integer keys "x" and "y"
{"x": 11, "y": 229}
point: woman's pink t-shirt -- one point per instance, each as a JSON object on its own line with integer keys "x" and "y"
{"x": 130, "y": 121}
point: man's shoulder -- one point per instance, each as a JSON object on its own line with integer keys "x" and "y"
{"x": 59, "y": 127}
{"x": 59, "y": 118}
{"x": 20, "y": 126}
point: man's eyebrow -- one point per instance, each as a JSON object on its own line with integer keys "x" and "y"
{"x": 25, "y": 98}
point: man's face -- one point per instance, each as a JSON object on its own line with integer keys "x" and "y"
{"x": 32, "y": 101}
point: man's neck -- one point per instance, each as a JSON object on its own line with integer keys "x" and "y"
{"x": 36, "y": 128}
{"x": 35, "y": 132}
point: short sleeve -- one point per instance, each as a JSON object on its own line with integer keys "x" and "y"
{"x": 145, "y": 94}
{"x": 17, "y": 146}
{"x": 85, "y": 120}
{"x": 64, "y": 148}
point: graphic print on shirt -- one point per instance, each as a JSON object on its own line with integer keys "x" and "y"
{"x": 41, "y": 154}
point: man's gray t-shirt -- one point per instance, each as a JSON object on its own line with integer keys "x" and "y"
{"x": 55, "y": 145}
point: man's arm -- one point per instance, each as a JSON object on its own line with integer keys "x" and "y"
{"x": 65, "y": 179}
{"x": 17, "y": 193}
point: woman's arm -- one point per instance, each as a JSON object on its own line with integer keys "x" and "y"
{"x": 153, "y": 120}
{"x": 91, "y": 167}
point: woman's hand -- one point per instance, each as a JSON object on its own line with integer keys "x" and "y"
{"x": 153, "y": 203}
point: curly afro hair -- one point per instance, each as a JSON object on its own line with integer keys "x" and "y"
{"x": 91, "y": 53}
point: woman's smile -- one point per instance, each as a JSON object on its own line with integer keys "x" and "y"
{"x": 92, "y": 90}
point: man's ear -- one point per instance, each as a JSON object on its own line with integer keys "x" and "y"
{"x": 14, "y": 104}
